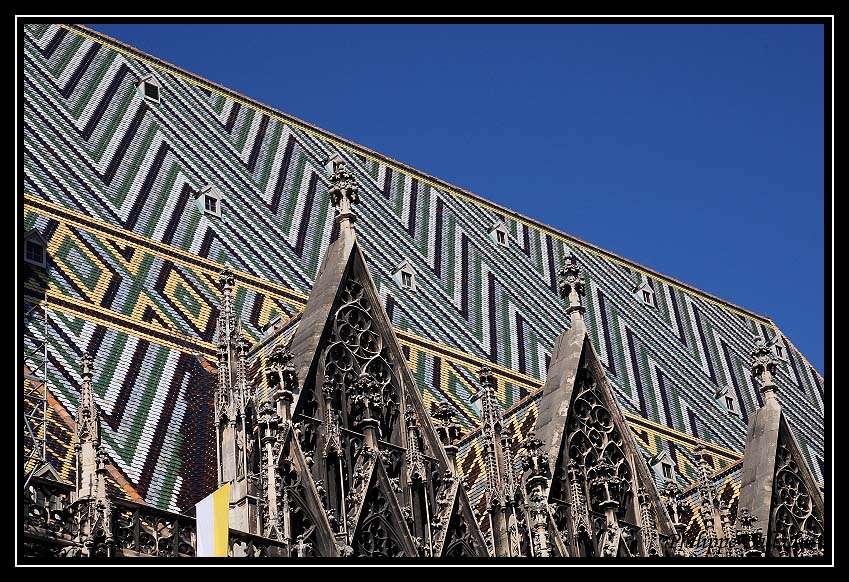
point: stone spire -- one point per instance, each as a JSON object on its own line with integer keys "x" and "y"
{"x": 344, "y": 193}
{"x": 764, "y": 366}
{"x": 88, "y": 433}
{"x": 491, "y": 424}
{"x": 415, "y": 464}
{"x": 571, "y": 284}
{"x": 500, "y": 481}
{"x": 715, "y": 515}
{"x": 236, "y": 445}
{"x": 94, "y": 532}
{"x": 271, "y": 486}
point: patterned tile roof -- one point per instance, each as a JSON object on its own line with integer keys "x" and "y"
{"x": 111, "y": 182}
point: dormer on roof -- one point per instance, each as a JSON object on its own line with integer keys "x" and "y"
{"x": 35, "y": 249}
{"x": 499, "y": 234}
{"x": 405, "y": 275}
{"x": 644, "y": 292}
{"x": 149, "y": 89}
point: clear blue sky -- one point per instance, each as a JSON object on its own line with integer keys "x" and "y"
{"x": 693, "y": 149}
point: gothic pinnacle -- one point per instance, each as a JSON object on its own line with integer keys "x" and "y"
{"x": 88, "y": 423}
{"x": 571, "y": 285}
{"x": 764, "y": 366}
{"x": 344, "y": 192}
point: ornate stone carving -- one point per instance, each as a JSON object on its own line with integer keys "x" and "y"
{"x": 332, "y": 418}
{"x": 764, "y": 366}
{"x": 578, "y": 508}
{"x": 750, "y": 538}
{"x": 795, "y": 522}
{"x": 570, "y": 281}
{"x": 344, "y": 190}
{"x": 674, "y": 505}
{"x": 448, "y": 430}
{"x": 648, "y": 521}
{"x": 415, "y": 466}
{"x": 357, "y": 362}
{"x": 490, "y": 432}
{"x": 272, "y": 498}
{"x": 88, "y": 423}
{"x": 376, "y": 535}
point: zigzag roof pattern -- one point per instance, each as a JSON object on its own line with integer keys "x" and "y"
{"x": 111, "y": 182}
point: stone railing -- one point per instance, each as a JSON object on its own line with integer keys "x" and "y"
{"x": 52, "y": 526}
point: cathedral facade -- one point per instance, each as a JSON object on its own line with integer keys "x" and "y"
{"x": 379, "y": 364}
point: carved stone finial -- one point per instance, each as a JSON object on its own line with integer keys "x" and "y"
{"x": 446, "y": 428}
{"x": 571, "y": 284}
{"x": 226, "y": 280}
{"x": 410, "y": 418}
{"x": 764, "y": 366}
{"x": 288, "y": 373}
{"x": 485, "y": 376}
{"x": 344, "y": 192}
{"x": 750, "y": 538}
{"x": 86, "y": 366}
{"x": 535, "y": 460}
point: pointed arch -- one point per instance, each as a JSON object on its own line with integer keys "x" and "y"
{"x": 381, "y": 530}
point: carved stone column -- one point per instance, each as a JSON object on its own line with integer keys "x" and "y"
{"x": 537, "y": 471}
{"x": 671, "y": 496}
{"x": 367, "y": 397}
{"x": 651, "y": 539}
{"x": 493, "y": 457}
{"x": 604, "y": 491}
{"x": 271, "y": 490}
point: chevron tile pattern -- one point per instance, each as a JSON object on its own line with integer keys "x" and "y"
{"x": 112, "y": 183}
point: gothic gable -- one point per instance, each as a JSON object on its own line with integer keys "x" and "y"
{"x": 461, "y": 537}
{"x": 780, "y": 510}
{"x": 602, "y": 498}
{"x": 381, "y": 530}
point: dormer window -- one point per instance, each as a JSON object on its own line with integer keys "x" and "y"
{"x": 663, "y": 465}
{"x": 334, "y": 163}
{"x": 499, "y": 234}
{"x": 149, "y": 89}
{"x": 645, "y": 293}
{"x": 35, "y": 249}
{"x": 274, "y": 324}
{"x": 405, "y": 276}
{"x": 725, "y": 397}
{"x": 211, "y": 204}
{"x": 211, "y": 200}
{"x": 780, "y": 353}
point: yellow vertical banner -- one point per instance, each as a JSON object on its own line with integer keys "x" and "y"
{"x": 212, "y": 514}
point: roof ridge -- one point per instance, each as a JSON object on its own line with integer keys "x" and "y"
{"x": 116, "y": 44}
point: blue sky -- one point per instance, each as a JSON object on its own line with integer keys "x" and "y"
{"x": 694, "y": 149}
